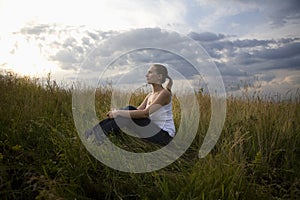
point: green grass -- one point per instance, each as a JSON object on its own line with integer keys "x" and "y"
{"x": 42, "y": 157}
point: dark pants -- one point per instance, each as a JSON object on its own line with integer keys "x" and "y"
{"x": 114, "y": 126}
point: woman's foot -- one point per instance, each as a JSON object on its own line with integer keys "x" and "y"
{"x": 99, "y": 136}
{"x": 88, "y": 133}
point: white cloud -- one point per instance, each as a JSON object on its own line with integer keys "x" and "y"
{"x": 221, "y": 10}
{"x": 293, "y": 79}
{"x": 101, "y": 14}
{"x": 285, "y": 82}
{"x": 64, "y": 32}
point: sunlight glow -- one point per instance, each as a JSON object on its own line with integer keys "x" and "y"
{"x": 24, "y": 58}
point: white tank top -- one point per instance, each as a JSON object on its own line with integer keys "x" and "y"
{"x": 163, "y": 118}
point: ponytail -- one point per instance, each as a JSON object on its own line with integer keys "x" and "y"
{"x": 170, "y": 83}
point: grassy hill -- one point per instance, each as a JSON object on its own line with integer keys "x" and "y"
{"x": 42, "y": 157}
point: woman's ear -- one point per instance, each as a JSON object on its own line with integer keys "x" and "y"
{"x": 160, "y": 78}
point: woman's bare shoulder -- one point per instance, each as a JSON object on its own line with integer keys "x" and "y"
{"x": 167, "y": 95}
{"x": 167, "y": 92}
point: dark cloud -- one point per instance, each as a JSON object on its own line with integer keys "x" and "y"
{"x": 94, "y": 36}
{"x": 288, "y": 40}
{"x": 263, "y": 54}
{"x": 279, "y": 64}
{"x": 237, "y": 59}
{"x": 244, "y": 59}
{"x": 69, "y": 42}
{"x": 65, "y": 56}
{"x": 36, "y": 29}
{"x": 206, "y": 36}
{"x": 252, "y": 61}
{"x": 125, "y": 50}
{"x": 282, "y": 56}
{"x": 86, "y": 41}
{"x": 252, "y": 43}
{"x": 285, "y": 51}
{"x": 230, "y": 70}
{"x": 284, "y": 11}
{"x": 278, "y": 12}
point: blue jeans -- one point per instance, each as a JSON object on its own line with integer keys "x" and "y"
{"x": 111, "y": 126}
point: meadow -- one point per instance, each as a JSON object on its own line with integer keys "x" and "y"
{"x": 42, "y": 157}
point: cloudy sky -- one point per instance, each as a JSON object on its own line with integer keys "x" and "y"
{"x": 250, "y": 42}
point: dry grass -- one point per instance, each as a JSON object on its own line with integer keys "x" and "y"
{"x": 42, "y": 157}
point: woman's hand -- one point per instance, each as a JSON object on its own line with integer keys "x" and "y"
{"x": 112, "y": 114}
{"x": 134, "y": 114}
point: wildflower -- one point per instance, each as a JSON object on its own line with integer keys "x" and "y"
{"x": 17, "y": 147}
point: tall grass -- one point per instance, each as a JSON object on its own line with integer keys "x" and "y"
{"x": 42, "y": 157}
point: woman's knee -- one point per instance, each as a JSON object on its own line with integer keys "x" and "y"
{"x": 129, "y": 108}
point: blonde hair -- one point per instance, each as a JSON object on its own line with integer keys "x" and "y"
{"x": 161, "y": 69}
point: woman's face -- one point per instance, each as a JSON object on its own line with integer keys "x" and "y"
{"x": 152, "y": 76}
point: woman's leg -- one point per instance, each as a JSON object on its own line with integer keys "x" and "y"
{"x": 109, "y": 125}
{"x": 161, "y": 138}
{"x": 114, "y": 125}
{"x": 140, "y": 122}
{"x": 128, "y": 108}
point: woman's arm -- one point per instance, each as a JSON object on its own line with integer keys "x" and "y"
{"x": 143, "y": 105}
{"x": 162, "y": 99}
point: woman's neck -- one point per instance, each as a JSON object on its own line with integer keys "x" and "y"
{"x": 156, "y": 88}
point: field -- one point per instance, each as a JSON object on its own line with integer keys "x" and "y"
{"x": 42, "y": 157}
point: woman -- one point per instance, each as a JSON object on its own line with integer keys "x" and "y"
{"x": 152, "y": 120}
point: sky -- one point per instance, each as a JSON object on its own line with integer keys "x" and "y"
{"x": 254, "y": 43}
